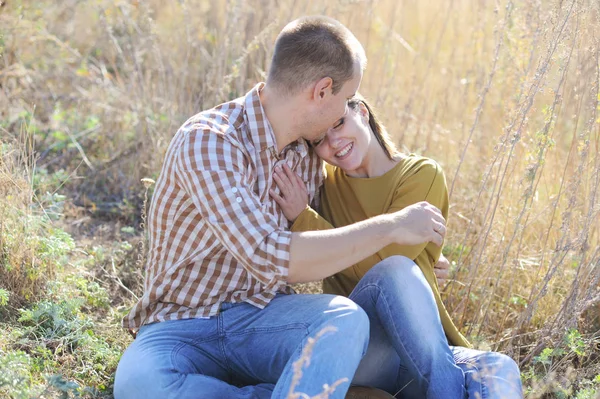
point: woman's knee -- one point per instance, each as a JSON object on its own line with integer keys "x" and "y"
{"x": 394, "y": 268}
{"x": 398, "y": 274}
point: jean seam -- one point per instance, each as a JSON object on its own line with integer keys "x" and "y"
{"x": 483, "y": 393}
{"x": 221, "y": 343}
{"x": 484, "y": 388}
{"x": 179, "y": 375}
{"x": 294, "y": 326}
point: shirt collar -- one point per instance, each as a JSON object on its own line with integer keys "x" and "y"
{"x": 261, "y": 132}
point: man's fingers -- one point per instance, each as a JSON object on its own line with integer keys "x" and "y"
{"x": 437, "y": 215}
{"x": 439, "y": 228}
{"x": 438, "y": 239}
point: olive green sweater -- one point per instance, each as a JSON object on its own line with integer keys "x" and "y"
{"x": 346, "y": 200}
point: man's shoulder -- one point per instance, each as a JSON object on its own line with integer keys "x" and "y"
{"x": 210, "y": 138}
{"x": 226, "y": 119}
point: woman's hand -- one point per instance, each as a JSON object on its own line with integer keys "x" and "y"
{"x": 293, "y": 197}
{"x": 442, "y": 270}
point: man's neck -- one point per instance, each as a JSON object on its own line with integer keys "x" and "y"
{"x": 281, "y": 112}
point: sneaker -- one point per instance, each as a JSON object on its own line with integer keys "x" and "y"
{"x": 367, "y": 393}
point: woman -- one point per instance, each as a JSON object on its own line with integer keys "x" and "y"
{"x": 408, "y": 354}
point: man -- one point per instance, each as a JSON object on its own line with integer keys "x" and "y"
{"x": 218, "y": 318}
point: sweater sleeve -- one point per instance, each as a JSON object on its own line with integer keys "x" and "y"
{"x": 310, "y": 220}
{"x": 426, "y": 184}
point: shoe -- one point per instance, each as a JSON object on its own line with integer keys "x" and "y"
{"x": 367, "y": 393}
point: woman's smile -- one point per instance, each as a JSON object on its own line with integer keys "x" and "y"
{"x": 344, "y": 152}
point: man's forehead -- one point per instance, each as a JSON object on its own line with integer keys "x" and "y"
{"x": 355, "y": 84}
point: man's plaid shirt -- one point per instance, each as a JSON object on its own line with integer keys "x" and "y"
{"x": 215, "y": 233}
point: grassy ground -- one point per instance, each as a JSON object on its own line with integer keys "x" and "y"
{"x": 504, "y": 95}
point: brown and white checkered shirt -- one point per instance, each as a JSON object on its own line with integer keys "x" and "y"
{"x": 215, "y": 233}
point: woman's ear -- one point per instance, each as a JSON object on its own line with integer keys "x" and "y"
{"x": 364, "y": 112}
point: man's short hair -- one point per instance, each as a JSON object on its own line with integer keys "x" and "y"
{"x": 312, "y": 48}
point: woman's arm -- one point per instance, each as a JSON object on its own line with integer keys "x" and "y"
{"x": 293, "y": 200}
{"x": 428, "y": 184}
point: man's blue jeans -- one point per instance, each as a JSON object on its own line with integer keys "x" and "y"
{"x": 408, "y": 354}
{"x": 245, "y": 352}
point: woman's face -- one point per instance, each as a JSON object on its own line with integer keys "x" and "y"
{"x": 346, "y": 144}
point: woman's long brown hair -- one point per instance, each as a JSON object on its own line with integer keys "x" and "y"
{"x": 376, "y": 126}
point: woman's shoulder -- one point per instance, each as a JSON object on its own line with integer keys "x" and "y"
{"x": 419, "y": 175}
{"x": 414, "y": 165}
{"x": 332, "y": 173}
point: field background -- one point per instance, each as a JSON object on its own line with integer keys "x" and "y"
{"x": 503, "y": 94}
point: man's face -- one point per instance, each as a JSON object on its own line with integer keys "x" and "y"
{"x": 333, "y": 108}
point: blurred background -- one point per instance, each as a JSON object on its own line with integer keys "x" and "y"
{"x": 503, "y": 94}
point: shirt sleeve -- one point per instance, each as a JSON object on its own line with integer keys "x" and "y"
{"x": 428, "y": 183}
{"x": 214, "y": 172}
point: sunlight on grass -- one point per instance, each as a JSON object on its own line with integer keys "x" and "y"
{"x": 505, "y": 96}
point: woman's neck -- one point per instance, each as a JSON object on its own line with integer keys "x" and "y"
{"x": 376, "y": 163}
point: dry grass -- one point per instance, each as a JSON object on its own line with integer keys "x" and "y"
{"x": 22, "y": 273}
{"x": 505, "y": 95}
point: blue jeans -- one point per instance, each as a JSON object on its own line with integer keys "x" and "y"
{"x": 245, "y": 352}
{"x": 408, "y": 354}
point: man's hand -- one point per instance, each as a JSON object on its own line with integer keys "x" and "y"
{"x": 419, "y": 223}
{"x": 442, "y": 270}
{"x": 293, "y": 197}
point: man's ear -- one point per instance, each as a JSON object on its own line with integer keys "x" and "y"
{"x": 323, "y": 88}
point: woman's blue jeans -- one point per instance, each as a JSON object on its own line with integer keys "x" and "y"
{"x": 408, "y": 354}
{"x": 246, "y": 352}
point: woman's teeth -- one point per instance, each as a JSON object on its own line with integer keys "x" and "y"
{"x": 344, "y": 151}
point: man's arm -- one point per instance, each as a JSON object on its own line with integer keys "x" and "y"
{"x": 315, "y": 255}
{"x": 212, "y": 169}
{"x": 319, "y": 254}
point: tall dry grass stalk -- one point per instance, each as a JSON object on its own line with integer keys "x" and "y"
{"x": 22, "y": 272}
{"x": 304, "y": 362}
{"x": 503, "y": 94}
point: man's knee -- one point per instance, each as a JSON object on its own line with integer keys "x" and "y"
{"x": 138, "y": 378}
{"x": 349, "y": 319}
{"x": 345, "y": 311}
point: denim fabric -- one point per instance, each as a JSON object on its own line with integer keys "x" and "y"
{"x": 245, "y": 352}
{"x": 489, "y": 375}
{"x": 408, "y": 354}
